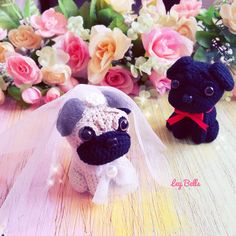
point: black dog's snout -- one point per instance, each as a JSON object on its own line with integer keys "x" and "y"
{"x": 112, "y": 142}
{"x": 187, "y": 98}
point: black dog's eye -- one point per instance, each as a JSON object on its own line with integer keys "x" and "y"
{"x": 86, "y": 133}
{"x": 174, "y": 84}
{"x": 123, "y": 124}
{"x": 209, "y": 91}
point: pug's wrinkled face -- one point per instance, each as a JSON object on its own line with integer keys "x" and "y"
{"x": 101, "y": 135}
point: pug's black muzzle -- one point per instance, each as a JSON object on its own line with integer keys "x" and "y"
{"x": 104, "y": 148}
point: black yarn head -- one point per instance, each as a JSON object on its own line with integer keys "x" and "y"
{"x": 104, "y": 148}
{"x": 196, "y": 86}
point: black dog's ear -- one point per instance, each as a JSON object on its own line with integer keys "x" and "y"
{"x": 222, "y": 74}
{"x": 116, "y": 100}
{"x": 178, "y": 66}
{"x": 69, "y": 115}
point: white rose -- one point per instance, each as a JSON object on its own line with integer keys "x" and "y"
{"x": 121, "y": 6}
{"x": 49, "y": 56}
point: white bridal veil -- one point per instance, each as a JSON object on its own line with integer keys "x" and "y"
{"x": 37, "y": 148}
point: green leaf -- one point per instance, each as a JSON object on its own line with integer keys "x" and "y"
{"x": 6, "y": 22}
{"x": 204, "y": 38}
{"x": 10, "y": 14}
{"x": 231, "y": 38}
{"x": 92, "y": 12}
{"x": 14, "y": 92}
{"x": 84, "y": 12}
{"x": 200, "y": 55}
{"x": 58, "y": 9}
{"x": 101, "y": 4}
{"x": 68, "y": 8}
{"x": 207, "y": 16}
{"x": 107, "y": 15}
{"x": 119, "y": 23}
{"x": 30, "y": 8}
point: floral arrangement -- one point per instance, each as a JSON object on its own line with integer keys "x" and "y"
{"x": 104, "y": 42}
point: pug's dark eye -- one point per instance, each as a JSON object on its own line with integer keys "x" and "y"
{"x": 209, "y": 91}
{"x": 86, "y": 133}
{"x": 123, "y": 124}
{"x": 174, "y": 84}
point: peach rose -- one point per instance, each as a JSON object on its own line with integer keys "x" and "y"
{"x": 166, "y": 45}
{"x": 50, "y": 23}
{"x": 5, "y": 47}
{"x": 187, "y": 27}
{"x": 31, "y": 95}
{"x": 3, "y": 33}
{"x": 105, "y": 46}
{"x": 119, "y": 78}
{"x": 228, "y": 14}
{"x": 23, "y": 70}
{"x": 57, "y": 74}
{"x": 76, "y": 48}
{"x": 160, "y": 82}
{"x": 24, "y": 37}
{"x": 187, "y": 8}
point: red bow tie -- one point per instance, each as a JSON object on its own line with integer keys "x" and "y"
{"x": 196, "y": 117}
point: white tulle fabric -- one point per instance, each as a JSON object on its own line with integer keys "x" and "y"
{"x": 37, "y": 137}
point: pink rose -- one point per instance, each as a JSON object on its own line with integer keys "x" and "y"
{"x": 50, "y": 23}
{"x": 70, "y": 84}
{"x": 23, "y": 70}
{"x": 52, "y": 94}
{"x": 3, "y": 33}
{"x": 161, "y": 83}
{"x": 187, "y": 8}
{"x": 31, "y": 95}
{"x": 166, "y": 45}
{"x": 77, "y": 50}
{"x": 119, "y": 78}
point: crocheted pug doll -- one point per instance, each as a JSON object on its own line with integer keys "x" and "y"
{"x": 195, "y": 89}
{"x": 98, "y": 134}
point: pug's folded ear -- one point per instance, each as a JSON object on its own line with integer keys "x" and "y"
{"x": 222, "y": 74}
{"x": 69, "y": 115}
{"x": 115, "y": 100}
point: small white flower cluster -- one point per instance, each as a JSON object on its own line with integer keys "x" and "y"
{"x": 144, "y": 23}
{"x": 75, "y": 25}
{"x": 147, "y": 65}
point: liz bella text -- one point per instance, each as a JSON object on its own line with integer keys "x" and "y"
{"x": 185, "y": 183}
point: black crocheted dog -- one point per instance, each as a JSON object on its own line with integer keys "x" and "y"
{"x": 195, "y": 89}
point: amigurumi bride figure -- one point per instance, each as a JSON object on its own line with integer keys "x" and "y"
{"x": 196, "y": 87}
{"x": 88, "y": 134}
{"x": 98, "y": 134}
